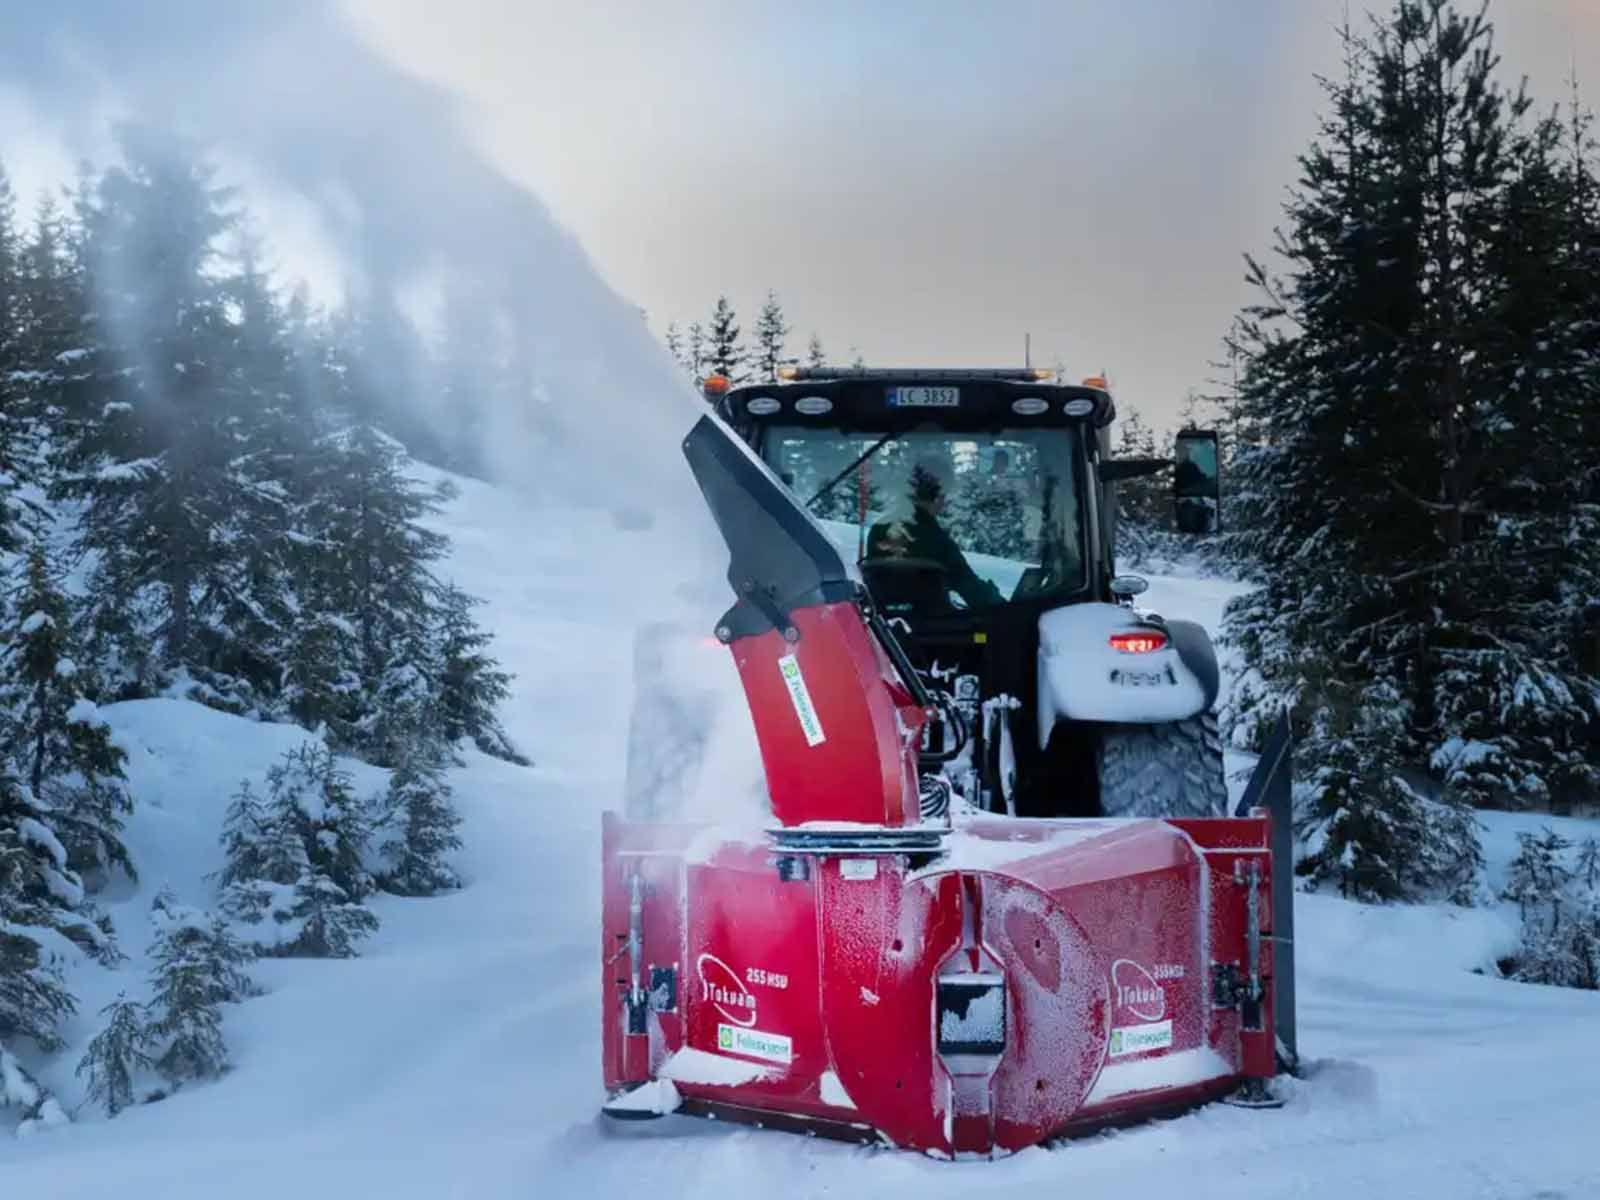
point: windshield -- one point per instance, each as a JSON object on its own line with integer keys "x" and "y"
{"x": 939, "y": 520}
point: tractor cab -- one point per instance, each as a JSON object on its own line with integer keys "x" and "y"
{"x": 973, "y": 503}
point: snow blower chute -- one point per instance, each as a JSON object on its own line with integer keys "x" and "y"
{"x": 879, "y": 968}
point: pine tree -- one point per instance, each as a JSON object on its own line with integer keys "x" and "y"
{"x": 116, "y": 1057}
{"x": 197, "y": 966}
{"x": 50, "y": 310}
{"x": 815, "y": 355}
{"x": 296, "y": 858}
{"x": 724, "y": 354}
{"x": 770, "y": 333}
{"x": 310, "y": 796}
{"x": 672, "y": 339}
{"x": 695, "y": 349}
{"x": 151, "y": 429}
{"x": 332, "y": 925}
{"x": 241, "y": 645}
{"x": 1560, "y": 912}
{"x": 21, "y": 1091}
{"x": 470, "y": 684}
{"x": 39, "y": 898}
{"x": 1142, "y": 502}
{"x": 15, "y": 433}
{"x": 245, "y": 829}
{"x": 371, "y": 570}
{"x": 1410, "y": 400}
{"x": 420, "y": 811}
{"x": 64, "y": 748}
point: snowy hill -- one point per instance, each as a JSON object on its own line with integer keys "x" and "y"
{"x": 459, "y": 1056}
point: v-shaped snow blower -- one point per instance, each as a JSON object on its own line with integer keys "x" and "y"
{"x": 884, "y": 964}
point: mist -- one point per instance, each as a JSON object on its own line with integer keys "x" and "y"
{"x": 366, "y": 180}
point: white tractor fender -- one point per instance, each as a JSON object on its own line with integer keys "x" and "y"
{"x": 1082, "y": 677}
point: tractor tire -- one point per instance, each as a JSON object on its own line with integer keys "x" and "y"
{"x": 1169, "y": 770}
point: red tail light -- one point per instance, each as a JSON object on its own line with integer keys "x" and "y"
{"x": 1141, "y": 641}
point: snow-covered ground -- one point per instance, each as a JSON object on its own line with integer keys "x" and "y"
{"x": 459, "y": 1057}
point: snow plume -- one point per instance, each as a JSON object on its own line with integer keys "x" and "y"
{"x": 373, "y": 174}
{"x": 376, "y": 169}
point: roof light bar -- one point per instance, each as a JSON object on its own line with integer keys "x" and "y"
{"x": 1015, "y": 374}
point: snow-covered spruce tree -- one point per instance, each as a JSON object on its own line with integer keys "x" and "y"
{"x": 471, "y": 684}
{"x": 332, "y": 925}
{"x": 38, "y": 348}
{"x": 1559, "y": 901}
{"x": 310, "y": 793}
{"x": 322, "y": 684}
{"x": 23, "y": 376}
{"x": 1513, "y": 703}
{"x": 13, "y": 430}
{"x": 1387, "y": 417}
{"x": 45, "y": 918}
{"x": 294, "y": 868}
{"x": 197, "y": 967}
{"x": 61, "y": 745}
{"x": 816, "y": 356}
{"x": 257, "y": 854}
{"x": 419, "y": 810}
{"x": 368, "y": 570}
{"x": 725, "y": 353}
{"x": 240, "y": 643}
{"x": 116, "y": 1056}
{"x": 771, "y": 332}
{"x": 672, "y": 339}
{"x": 695, "y": 348}
{"x": 157, "y": 429}
{"x": 405, "y": 709}
{"x": 22, "y": 1093}
{"x": 1143, "y": 503}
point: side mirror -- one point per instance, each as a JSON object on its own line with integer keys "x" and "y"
{"x": 1197, "y": 482}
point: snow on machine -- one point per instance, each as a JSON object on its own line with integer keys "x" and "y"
{"x": 999, "y": 898}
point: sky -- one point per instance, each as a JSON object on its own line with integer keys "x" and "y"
{"x": 923, "y": 182}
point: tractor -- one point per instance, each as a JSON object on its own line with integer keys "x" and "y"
{"x": 996, "y": 895}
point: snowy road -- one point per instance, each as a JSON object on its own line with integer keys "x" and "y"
{"x": 460, "y": 1057}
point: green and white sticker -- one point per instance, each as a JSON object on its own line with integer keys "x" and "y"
{"x": 1136, "y": 1039}
{"x": 810, "y": 723}
{"x": 752, "y": 1043}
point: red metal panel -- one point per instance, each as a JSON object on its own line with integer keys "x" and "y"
{"x": 752, "y": 986}
{"x": 824, "y": 986}
{"x": 852, "y": 756}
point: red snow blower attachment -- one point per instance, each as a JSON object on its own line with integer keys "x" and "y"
{"x": 963, "y": 983}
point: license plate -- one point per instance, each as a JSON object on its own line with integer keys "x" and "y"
{"x": 924, "y": 397}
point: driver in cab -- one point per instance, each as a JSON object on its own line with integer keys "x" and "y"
{"x": 921, "y": 541}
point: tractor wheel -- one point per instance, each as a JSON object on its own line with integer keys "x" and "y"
{"x": 1168, "y": 770}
